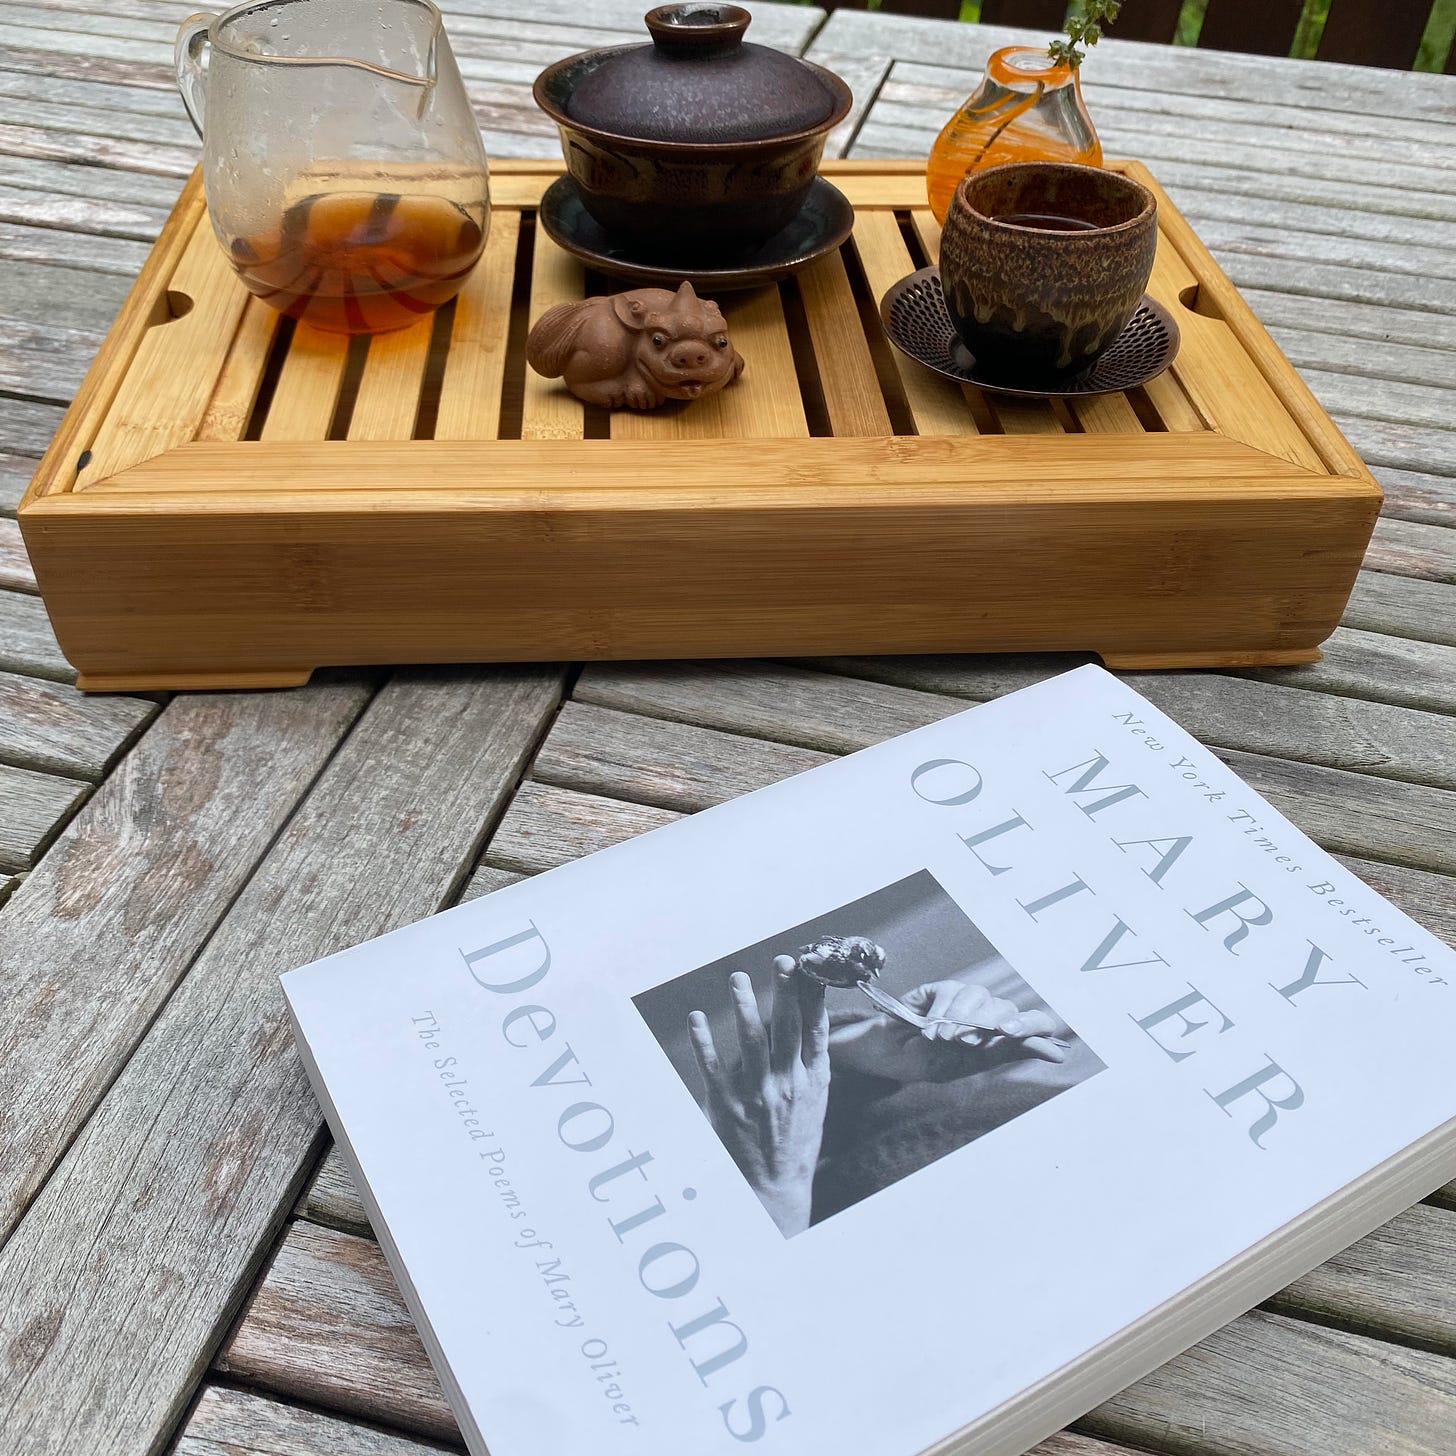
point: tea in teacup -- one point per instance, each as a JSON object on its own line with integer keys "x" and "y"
{"x": 1043, "y": 264}
{"x": 1047, "y": 220}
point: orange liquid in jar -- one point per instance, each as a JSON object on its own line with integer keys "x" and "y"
{"x": 949, "y": 165}
{"x": 361, "y": 262}
{"x": 1028, "y": 109}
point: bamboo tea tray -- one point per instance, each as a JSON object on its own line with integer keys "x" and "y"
{"x": 234, "y": 502}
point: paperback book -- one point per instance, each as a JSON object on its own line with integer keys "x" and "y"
{"x": 914, "y": 1104}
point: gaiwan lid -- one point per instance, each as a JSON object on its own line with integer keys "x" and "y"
{"x": 700, "y": 81}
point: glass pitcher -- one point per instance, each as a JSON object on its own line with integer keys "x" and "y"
{"x": 343, "y": 166}
{"x": 1028, "y": 108}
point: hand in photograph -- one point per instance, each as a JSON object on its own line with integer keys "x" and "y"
{"x": 768, "y": 1104}
{"x": 875, "y": 1044}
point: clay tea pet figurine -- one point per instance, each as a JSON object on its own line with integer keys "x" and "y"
{"x": 637, "y": 348}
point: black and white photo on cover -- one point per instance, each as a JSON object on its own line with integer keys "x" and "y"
{"x": 801, "y": 1054}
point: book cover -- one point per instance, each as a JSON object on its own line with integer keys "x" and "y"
{"x": 915, "y": 1103}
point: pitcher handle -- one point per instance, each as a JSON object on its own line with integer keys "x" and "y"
{"x": 187, "y": 56}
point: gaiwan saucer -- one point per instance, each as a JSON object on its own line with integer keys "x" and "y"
{"x": 821, "y": 225}
{"x": 915, "y": 318}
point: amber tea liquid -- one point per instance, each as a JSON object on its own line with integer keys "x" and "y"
{"x": 361, "y": 262}
{"x": 1047, "y": 221}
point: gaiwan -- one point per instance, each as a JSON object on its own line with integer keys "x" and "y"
{"x": 636, "y": 349}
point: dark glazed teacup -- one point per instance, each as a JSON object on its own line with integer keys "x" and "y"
{"x": 1043, "y": 264}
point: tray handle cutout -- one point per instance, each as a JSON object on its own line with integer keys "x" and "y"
{"x": 167, "y": 388}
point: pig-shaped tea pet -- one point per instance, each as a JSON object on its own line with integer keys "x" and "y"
{"x": 637, "y": 348}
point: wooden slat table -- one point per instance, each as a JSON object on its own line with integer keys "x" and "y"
{"x": 184, "y": 1265}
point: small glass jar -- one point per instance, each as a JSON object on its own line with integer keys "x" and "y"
{"x": 1028, "y": 108}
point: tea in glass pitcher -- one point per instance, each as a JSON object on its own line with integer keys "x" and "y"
{"x": 343, "y": 167}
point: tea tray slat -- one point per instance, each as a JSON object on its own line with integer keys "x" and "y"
{"x": 548, "y": 412}
{"x": 236, "y": 392}
{"x": 937, "y": 406}
{"x": 235, "y": 499}
{"x": 470, "y": 392}
{"x": 391, "y": 384}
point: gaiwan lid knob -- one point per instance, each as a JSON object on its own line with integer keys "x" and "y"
{"x": 700, "y": 81}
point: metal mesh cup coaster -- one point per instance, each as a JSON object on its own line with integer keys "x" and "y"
{"x": 915, "y": 318}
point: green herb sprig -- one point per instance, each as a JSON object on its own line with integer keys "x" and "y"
{"x": 1084, "y": 27}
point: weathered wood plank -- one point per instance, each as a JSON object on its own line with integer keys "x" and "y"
{"x": 1240, "y": 130}
{"x": 1346, "y": 812}
{"x": 1338, "y": 732}
{"x": 545, "y": 827}
{"x": 1391, "y": 358}
{"x": 567, "y": 28}
{"x": 93, "y": 95}
{"x": 214, "y": 1105}
{"x": 1152, "y": 68}
{"x": 33, "y": 806}
{"x": 1410, "y": 548}
{"x": 1355, "y": 814}
{"x": 1413, "y": 495}
{"x": 169, "y": 128}
{"x": 595, "y": 816}
{"x": 1181, "y": 172}
{"x": 864, "y": 75}
{"x": 55, "y": 729}
{"x": 16, "y": 572}
{"x": 910, "y": 117}
{"x": 136, "y": 885}
{"x": 27, "y": 644}
{"x": 26, "y": 425}
{"x": 1320, "y": 281}
{"x": 1398, "y": 1283}
{"x": 559, "y": 827}
{"x": 15, "y": 474}
{"x": 40, "y": 294}
{"x": 1393, "y": 400}
{"x": 1267, "y": 1385}
{"x": 119, "y": 152}
{"x": 91, "y": 67}
{"x": 331, "y": 1198}
{"x": 937, "y": 88}
{"x": 1074, "y": 1443}
{"x": 56, "y": 234}
{"x": 766, "y": 700}
{"x": 1199, "y": 204}
{"x": 1405, "y": 447}
{"x": 48, "y": 361}
{"x": 135, "y": 195}
{"x": 1262, "y": 717}
{"x": 1427, "y": 898}
{"x": 228, "y": 1422}
{"x": 145, "y": 45}
{"x": 485, "y": 879}
{"x": 1272, "y": 173}
{"x": 1375, "y": 665}
{"x": 589, "y": 748}
{"x": 1367, "y": 322}
{"x": 1404, "y": 607}
{"x": 327, "y": 1325}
